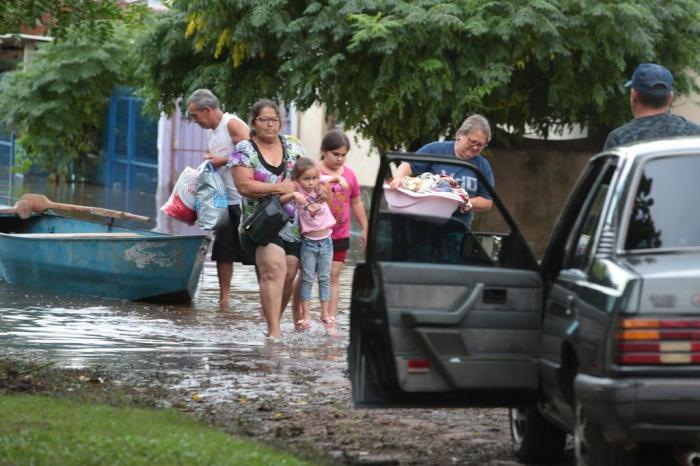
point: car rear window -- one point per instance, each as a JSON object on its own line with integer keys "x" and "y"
{"x": 664, "y": 211}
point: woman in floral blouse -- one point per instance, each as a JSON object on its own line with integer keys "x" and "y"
{"x": 262, "y": 166}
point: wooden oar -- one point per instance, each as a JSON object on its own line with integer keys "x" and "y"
{"x": 40, "y": 203}
{"x": 22, "y": 208}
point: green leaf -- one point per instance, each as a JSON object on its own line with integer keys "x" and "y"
{"x": 404, "y": 72}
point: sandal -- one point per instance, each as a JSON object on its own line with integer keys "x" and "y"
{"x": 329, "y": 323}
{"x": 302, "y": 324}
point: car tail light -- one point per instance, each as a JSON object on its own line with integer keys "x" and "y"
{"x": 657, "y": 341}
{"x": 418, "y": 366}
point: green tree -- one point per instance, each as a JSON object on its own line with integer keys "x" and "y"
{"x": 57, "y": 103}
{"x": 58, "y": 16}
{"x": 407, "y": 71}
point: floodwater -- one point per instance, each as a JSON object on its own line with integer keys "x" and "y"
{"x": 190, "y": 343}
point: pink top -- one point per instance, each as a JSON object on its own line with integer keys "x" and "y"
{"x": 321, "y": 220}
{"x": 339, "y": 201}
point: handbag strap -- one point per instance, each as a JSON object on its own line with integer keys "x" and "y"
{"x": 282, "y": 168}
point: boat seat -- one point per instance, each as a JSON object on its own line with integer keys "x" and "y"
{"x": 78, "y": 235}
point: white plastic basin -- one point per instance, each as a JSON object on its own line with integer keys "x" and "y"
{"x": 433, "y": 207}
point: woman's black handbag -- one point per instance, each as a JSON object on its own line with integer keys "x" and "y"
{"x": 266, "y": 221}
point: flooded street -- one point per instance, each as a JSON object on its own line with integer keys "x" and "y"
{"x": 218, "y": 365}
{"x": 215, "y": 363}
{"x": 197, "y": 341}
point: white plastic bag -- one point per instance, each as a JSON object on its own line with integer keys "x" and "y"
{"x": 181, "y": 204}
{"x": 211, "y": 204}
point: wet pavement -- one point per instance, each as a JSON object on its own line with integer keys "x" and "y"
{"x": 218, "y": 365}
{"x": 200, "y": 341}
{"x": 191, "y": 343}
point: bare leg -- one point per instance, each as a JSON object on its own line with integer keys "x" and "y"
{"x": 292, "y": 268}
{"x": 325, "y": 309}
{"x": 305, "y": 310}
{"x": 224, "y": 271}
{"x": 336, "y": 268}
{"x": 297, "y": 311}
{"x": 328, "y": 321}
{"x": 300, "y": 309}
{"x": 272, "y": 266}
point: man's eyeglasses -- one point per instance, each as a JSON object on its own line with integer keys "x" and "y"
{"x": 475, "y": 143}
{"x": 267, "y": 121}
{"x": 192, "y": 116}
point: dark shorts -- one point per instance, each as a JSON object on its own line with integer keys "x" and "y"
{"x": 340, "y": 249}
{"x": 226, "y": 246}
{"x": 249, "y": 246}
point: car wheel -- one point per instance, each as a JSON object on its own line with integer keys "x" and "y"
{"x": 591, "y": 448}
{"x": 534, "y": 439}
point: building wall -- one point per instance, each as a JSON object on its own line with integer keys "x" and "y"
{"x": 362, "y": 158}
{"x": 688, "y": 106}
{"x": 365, "y": 160}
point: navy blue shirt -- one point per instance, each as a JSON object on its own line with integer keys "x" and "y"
{"x": 466, "y": 177}
{"x": 662, "y": 125}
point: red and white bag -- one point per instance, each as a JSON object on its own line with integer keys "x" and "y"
{"x": 181, "y": 204}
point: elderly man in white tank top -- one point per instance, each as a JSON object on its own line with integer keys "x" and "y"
{"x": 224, "y": 131}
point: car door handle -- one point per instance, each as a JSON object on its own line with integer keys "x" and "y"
{"x": 438, "y": 318}
{"x": 570, "y": 306}
{"x": 370, "y": 299}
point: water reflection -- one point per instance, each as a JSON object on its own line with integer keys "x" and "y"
{"x": 200, "y": 341}
{"x": 138, "y": 201}
{"x": 203, "y": 346}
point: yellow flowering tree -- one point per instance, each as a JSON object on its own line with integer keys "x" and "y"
{"x": 407, "y": 71}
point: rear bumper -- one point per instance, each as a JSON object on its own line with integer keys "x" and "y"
{"x": 642, "y": 410}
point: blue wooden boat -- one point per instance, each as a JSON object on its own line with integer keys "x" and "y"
{"x": 69, "y": 255}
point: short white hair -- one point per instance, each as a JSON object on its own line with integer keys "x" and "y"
{"x": 475, "y": 122}
{"x": 202, "y": 98}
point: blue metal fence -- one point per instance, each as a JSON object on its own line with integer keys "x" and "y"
{"x": 130, "y": 165}
{"x": 129, "y": 162}
{"x": 7, "y": 160}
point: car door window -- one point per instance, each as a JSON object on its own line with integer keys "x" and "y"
{"x": 580, "y": 245}
{"x": 661, "y": 210}
{"x": 423, "y": 226}
{"x": 558, "y": 253}
{"x": 446, "y": 308}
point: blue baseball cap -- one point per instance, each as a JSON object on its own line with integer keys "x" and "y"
{"x": 650, "y": 78}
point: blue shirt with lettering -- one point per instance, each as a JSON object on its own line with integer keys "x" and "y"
{"x": 466, "y": 177}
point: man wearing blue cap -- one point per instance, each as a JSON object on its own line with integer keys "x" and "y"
{"x": 650, "y": 100}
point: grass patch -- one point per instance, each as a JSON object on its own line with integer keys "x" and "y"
{"x": 38, "y": 430}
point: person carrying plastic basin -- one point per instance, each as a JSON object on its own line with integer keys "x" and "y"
{"x": 472, "y": 136}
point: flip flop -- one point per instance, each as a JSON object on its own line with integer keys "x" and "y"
{"x": 329, "y": 323}
{"x": 302, "y": 324}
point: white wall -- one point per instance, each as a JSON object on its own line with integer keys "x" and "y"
{"x": 312, "y": 125}
{"x": 688, "y": 106}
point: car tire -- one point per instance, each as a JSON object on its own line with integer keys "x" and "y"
{"x": 591, "y": 448}
{"x": 533, "y": 438}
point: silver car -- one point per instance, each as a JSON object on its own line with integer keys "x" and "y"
{"x": 600, "y": 340}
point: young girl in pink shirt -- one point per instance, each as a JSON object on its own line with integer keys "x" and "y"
{"x": 344, "y": 197}
{"x": 315, "y": 221}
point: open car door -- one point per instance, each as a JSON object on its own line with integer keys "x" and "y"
{"x": 443, "y": 314}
